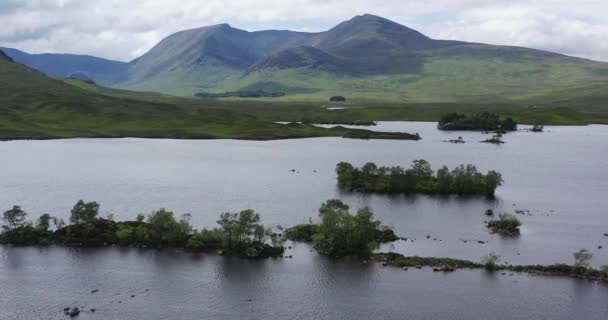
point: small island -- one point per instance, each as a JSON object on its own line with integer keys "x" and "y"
{"x": 505, "y": 225}
{"x": 340, "y": 233}
{"x": 240, "y": 234}
{"x": 419, "y": 178}
{"x": 478, "y": 122}
{"x": 580, "y": 269}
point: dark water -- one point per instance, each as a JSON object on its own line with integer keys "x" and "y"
{"x": 561, "y": 176}
{"x": 39, "y": 283}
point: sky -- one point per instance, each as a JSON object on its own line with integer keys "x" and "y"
{"x": 124, "y": 30}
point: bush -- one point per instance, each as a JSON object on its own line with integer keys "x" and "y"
{"x": 337, "y": 99}
{"x": 301, "y": 232}
{"x": 506, "y": 225}
{"x": 206, "y": 239}
{"x": 582, "y": 258}
{"x": 490, "y": 261}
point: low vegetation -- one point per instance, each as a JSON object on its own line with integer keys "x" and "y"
{"x": 240, "y": 234}
{"x": 506, "y": 225}
{"x": 419, "y": 178}
{"x": 478, "y": 122}
{"x": 491, "y": 262}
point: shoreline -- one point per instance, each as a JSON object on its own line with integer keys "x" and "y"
{"x": 450, "y": 265}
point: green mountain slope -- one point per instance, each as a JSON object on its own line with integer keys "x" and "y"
{"x": 34, "y": 106}
{"x": 368, "y": 59}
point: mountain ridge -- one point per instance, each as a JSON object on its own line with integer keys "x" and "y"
{"x": 368, "y": 57}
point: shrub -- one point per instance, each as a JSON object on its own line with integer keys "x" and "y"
{"x": 490, "y": 261}
{"x": 506, "y": 225}
{"x": 582, "y": 258}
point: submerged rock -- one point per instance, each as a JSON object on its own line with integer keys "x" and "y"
{"x": 74, "y": 312}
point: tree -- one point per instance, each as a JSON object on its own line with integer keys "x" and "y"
{"x": 492, "y": 181}
{"x": 228, "y": 223}
{"x": 582, "y": 258}
{"x": 84, "y": 212}
{"x": 44, "y": 222}
{"x": 490, "y": 261}
{"x": 341, "y": 233}
{"x": 421, "y": 169}
{"x": 140, "y": 217}
{"x": 604, "y": 269}
{"x": 246, "y": 225}
{"x": 14, "y": 218}
{"x": 165, "y": 230}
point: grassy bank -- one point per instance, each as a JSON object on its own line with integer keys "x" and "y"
{"x": 448, "y": 264}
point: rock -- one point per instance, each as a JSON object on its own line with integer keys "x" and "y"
{"x": 404, "y": 268}
{"x": 132, "y": 296}
{"x": 599, "y": 247}
{"x": 481, "y": 242}
{"x": 74, "y": 312}
{"x": 384, "y": 264}
{"x": 428, "y": 236}
{"x": 93, "y": 310}
{"x": 434, "y": 239}
{"x": 435, "y": 269}
{"x": 94, "y": 290}
{"x": 418, "y": 267}
{"x": 605, "y": 234}
{"x": 489, "y": 212}
{"x": 503, "y": 274}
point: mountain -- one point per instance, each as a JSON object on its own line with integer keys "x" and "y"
{"x": 367, "y": 58}
{"x": 103, "y": 71}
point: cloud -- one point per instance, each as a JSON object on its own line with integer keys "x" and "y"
{"x": 123, "y": 30}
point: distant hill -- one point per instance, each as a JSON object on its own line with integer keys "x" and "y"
{"x": 104, "y": 71}
{"x": 367, "y": 58}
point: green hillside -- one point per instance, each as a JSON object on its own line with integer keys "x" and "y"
{"x": 34, "y": 106}
{"x": 368, "y": 59}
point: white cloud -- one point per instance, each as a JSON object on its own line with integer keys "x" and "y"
{"x": 123, "y": 30}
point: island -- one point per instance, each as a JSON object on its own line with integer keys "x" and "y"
{"x": 419, "y": 178}
{"x": 340, "y": 233}
{"x": 484, "y": 121}
{"x": 240, "y": 234}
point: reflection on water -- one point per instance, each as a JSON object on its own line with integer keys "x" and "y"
{"x": 147, "y": 284}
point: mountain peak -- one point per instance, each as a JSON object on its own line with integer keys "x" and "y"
{"x": 370, "y": 34}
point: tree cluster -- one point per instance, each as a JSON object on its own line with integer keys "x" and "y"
{"x": 478, "y": 122}
{"x": 419, "y": 178}
{"x": 238, "y": 233}
{"x": 341, "y": 233}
